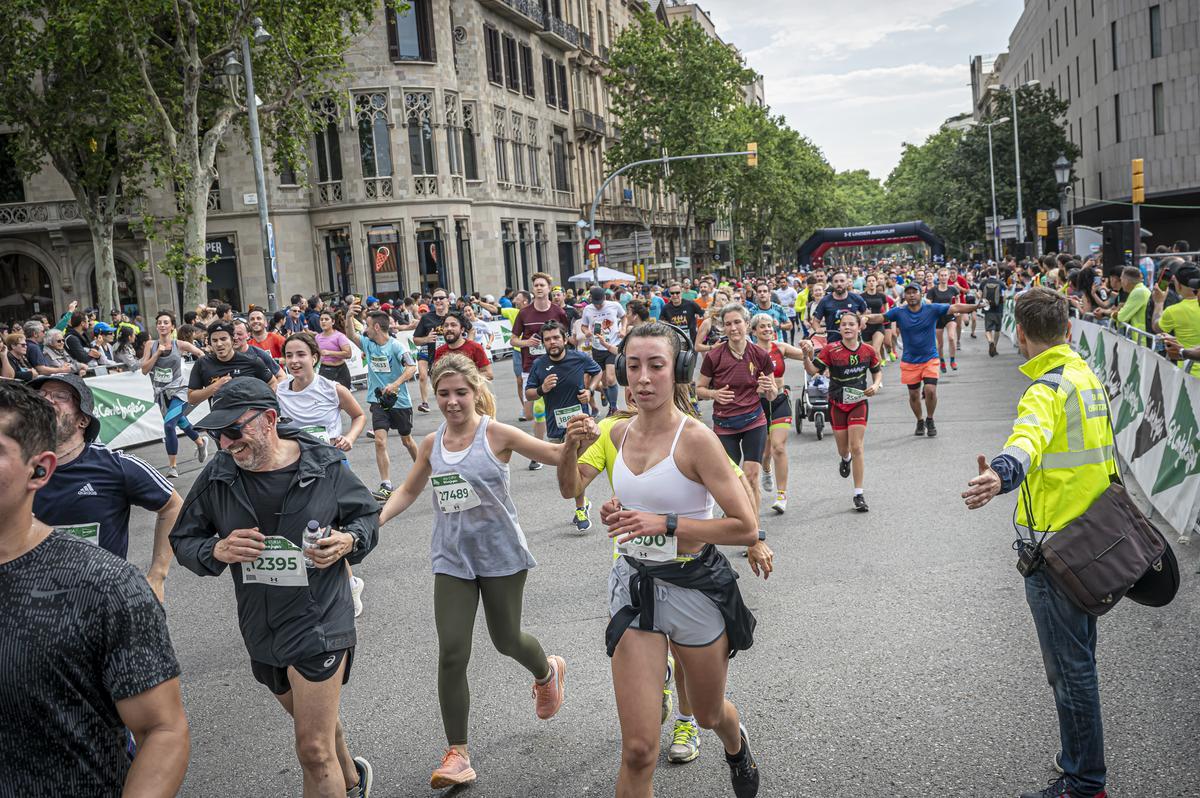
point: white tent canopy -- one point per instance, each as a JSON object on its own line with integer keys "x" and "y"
{"x": 603, "y": 274}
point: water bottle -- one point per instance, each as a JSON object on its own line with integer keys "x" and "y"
{"x": 312, "y": 533}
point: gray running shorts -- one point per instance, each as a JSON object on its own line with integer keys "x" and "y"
{"x": 687, "y": 617}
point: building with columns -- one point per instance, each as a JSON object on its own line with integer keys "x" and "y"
{"x": 466, "y": 142}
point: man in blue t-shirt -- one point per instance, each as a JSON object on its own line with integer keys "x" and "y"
{"x": 839, "y": 300}
{"x": 92, "y": 488}
{"x": 565, "y": 379}
{"x": 389, "y": 367}
{"x": 919, "y": 363}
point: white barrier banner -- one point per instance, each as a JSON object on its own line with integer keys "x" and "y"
{"x": 125, "y": 406}
{"x": 1154, "y": 416}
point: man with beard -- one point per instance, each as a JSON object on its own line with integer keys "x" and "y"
{"x": 241, "y": 345}
{"x": 455, "y": 331}
{"x": 682, "y": 313}
{"x": 90, "y": 492}
{"x": 765, "y": 303}
{"x": 225, "y": 363}
{"x": 428, "y": 337}
{"x": 253, "y": 507}
{"x": 259, "y": 336}
{"x": 839, "y": 300}
{"x": 525, "y": 334}
{"x": 919, "y": 363}
{"x": 564, "y": 379}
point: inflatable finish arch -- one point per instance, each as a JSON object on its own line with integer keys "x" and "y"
{"x": 812, "y": 250}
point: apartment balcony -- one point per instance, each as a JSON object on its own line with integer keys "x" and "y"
{"x": 585, "y": 42}
{"x": 618, "y": 214}
{"x": 330, "y": 192}
{"x": 378, "y": 188}
{"x": 560, "y": 34}
{"x": 526, "y": 13}
{"x": 588, "y": 124}
{"x": 21, "y": 217}
{"x": 563, "y": 199}
{"x": 603, "y": 52}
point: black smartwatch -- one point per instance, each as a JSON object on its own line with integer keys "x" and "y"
{"x": 672, "y": 524}
{"x": 762, "y": 534}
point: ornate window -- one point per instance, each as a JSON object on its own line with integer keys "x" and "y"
{"x": 532, "y": 141}
{"x": 374, "y": 136}
{"x": 418, "y": 116}
{"x": 518, "y": 149}
{"x": 329, "y": 147}
{"x": 454, "y": 132}
{"x": 410, "y": 35}
{"x": 500, "y": 134}
{"x": 470, "y": 133}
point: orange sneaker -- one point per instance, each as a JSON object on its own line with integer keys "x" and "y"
{"x": 455, "y": 769}
{"x": 549, "y": 696}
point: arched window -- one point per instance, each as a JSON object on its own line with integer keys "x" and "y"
{"x": 24, "y": 289}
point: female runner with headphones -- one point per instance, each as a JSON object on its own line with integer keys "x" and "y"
{"x": 671, "y": 582}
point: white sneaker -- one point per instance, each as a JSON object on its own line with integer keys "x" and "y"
{"x": 356, "y": 589}
{"x": 780, "y": 505}
{"x": 768, "y": 481}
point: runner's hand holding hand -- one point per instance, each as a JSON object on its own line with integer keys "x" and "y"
{"x": 582, "y": 432}
{"x": 332, "y": 548}
{"x": 983, "y": 488}
{"x": 242, "y": 545}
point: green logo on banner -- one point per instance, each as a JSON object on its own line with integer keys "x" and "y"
{"x": 1131, "y": 394}
{"x": 1098, "y": 361}
{"x": 117, "y": 412}
{"x": 1085, "y": 349}
{"x": 1182, "y": 456}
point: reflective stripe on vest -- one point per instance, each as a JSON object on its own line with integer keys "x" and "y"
{"x": 1097, "y": 456}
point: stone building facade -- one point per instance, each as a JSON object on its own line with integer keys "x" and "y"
{"x": 465, "y": 145}
{"x": 1130, "y": 70}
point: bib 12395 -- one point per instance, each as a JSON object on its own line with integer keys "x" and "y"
{"x": 281, "y": 564}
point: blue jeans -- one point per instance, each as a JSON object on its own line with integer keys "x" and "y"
{"x": 1067, "y": 636}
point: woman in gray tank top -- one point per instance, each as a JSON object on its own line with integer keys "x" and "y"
{"x": 478, "y": 548}
{"x": 163, "y": 361}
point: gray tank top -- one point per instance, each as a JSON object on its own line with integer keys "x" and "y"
{"x": 167, "y": 374}
{"x": 483, "y": 540}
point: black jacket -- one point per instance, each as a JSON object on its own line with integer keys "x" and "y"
{"x": 283, "y": 625}
{"x": 710, "y": 573}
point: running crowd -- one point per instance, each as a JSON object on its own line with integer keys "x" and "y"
{"x": 92, "y": 681}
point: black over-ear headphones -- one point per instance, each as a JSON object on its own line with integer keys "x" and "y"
{"x": 685, "y": 361}
{"x": 39, "y": 472}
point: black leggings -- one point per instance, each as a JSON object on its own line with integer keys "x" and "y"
{"x": 746, "y": 446}
{"x": 339, "y": 374}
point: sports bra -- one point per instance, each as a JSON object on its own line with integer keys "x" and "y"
{"x": 662, "y": 488}
{"x": 777, "y": 359}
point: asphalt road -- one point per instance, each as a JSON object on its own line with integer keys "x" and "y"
{"x": 894, "y": 653}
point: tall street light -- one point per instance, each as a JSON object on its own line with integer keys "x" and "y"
{"x": 992, "y": 174}
{"x": 232, "y": 67}
{"x": 1062, "y": 176}
{"x": 1017, "y": 153}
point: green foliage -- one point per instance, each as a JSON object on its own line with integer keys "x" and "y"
{"x": 858, "y": 200}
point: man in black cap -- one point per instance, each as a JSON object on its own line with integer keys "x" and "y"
{"x": 251, "y": 508}
{"x": 83, "y": 641}
{"x": 93, "y": 487}
{"x": 600, "y": 327}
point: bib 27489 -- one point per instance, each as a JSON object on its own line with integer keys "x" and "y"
{"x": 281, "y": 564}
{"x": 453, "y": 493}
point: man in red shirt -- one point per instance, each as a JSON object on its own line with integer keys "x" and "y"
{"x": 525, "y": 330}
{"x": 454, "y": 331}
{"x": 259, "y": 337}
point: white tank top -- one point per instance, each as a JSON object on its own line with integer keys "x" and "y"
{"x": 662, "y": 488}
{"x": 315, "y": 406}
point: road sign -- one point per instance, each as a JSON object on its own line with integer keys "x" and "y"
{"x": 594, "y": 247}
{"x": 633, "y": 248}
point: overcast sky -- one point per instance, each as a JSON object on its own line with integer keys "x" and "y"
{"x": 861, "y": 77}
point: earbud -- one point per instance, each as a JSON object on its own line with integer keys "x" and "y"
{"x": 39, "y": 472}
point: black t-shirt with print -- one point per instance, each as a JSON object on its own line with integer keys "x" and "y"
{"x": 685, "y": 316}
{"x": 80, "y": 631}
{"x": 209, "y": 368}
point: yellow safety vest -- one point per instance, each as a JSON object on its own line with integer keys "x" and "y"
{"x": 1063, "y": 438}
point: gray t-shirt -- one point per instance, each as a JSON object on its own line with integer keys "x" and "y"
{"x": 80, "y": 631}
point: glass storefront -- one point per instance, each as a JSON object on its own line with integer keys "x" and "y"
{"x": 340, "y": 261}
{"x": 24, "y": 289}
{"x": 383, "y": 251}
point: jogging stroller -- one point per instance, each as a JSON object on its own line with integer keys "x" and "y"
{"x": 813, "y": 404}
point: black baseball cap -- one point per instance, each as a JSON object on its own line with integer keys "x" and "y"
{"x": 235, "y": 398}
{"x": 1188, "y": 275}
{"x": 87, "y": 402}
{"x": 913, "y": 285}
{"x": 597, "y": 294}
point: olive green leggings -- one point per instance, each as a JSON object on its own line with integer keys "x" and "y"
{"x": 455, "y": 602}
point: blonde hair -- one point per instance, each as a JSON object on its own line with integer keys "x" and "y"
{"x": 463, "y": 366}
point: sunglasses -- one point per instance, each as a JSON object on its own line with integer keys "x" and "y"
{"x": 440, "y": 298}
{"x": 234, "y": 431}
{"x": 676, "y": 293}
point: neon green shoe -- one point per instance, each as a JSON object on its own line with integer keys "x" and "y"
{"x": 685, "y": 743}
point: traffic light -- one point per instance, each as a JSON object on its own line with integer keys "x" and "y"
{"x": 1043, "y": 224}
{"x": 1139, "y": 182}
{"x": 752, "y": 156}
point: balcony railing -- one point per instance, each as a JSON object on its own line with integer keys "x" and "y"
{"x": 378, "y": 188}
{"x": 425, "y": 185}
{"x": 527, "y": 13}
{"x": 589, "y": 123}
{"x": 214, "y": 199}
{"x": 563, "y": 34}
{"x": 585, "y": 42}
{"x": 603, "y": 52}
{"x": 330, "y": 192}
{"x": 36, "y": 214}
{"x": 563, "y": 199}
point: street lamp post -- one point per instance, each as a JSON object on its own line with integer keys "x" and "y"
{"x": 992, "y": 174}
{"x": 1017, "y": 156}
{"x": 232, "y": 67}
{"x": 1062, "y": 176}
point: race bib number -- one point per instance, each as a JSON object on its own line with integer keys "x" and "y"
{"x": 281, "y": 564}
{"x": 317, "y": 431}
{"x": 162, "y": 374}
{"x": 380, "y": 365}
{"x": 852, "y": 396}
{"x": 563, "y": 415}
{"x": 655, "y": 548}
{"x": 85, "y": 532}
{"x": 453, "y": 493}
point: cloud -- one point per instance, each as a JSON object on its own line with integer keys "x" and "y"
{"x": 906, "y": 82}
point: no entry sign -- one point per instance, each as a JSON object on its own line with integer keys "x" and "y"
{"x": 594, "y": 246}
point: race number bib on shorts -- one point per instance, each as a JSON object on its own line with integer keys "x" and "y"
{"x": 563, "y": 415}
{"x": 317, "y": 431}
{"x": 162, "y": 374}
{"x": 281, "y": 564}
{"x": 380, "y": 365}
{"x": 852, "y": 396}
{"x": 655, "y": 548}
{"x": 86, "y": 532}
{"x": 453, "y": 493}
